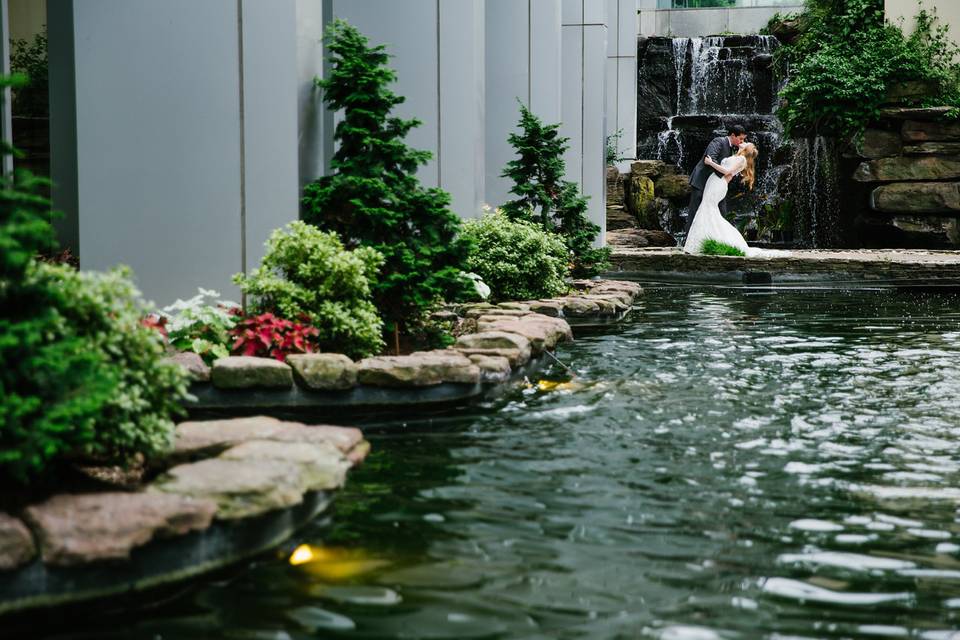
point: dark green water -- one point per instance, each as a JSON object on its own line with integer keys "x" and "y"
{"x": 730, "y": 465}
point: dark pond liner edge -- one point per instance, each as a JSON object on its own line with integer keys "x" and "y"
{"x": 158, "y": 563}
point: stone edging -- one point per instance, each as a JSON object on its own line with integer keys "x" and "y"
{"x": 270, "y": 475}
{"x": 497, "y": 341}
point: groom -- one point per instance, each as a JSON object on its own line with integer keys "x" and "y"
{"x": 717, "y": 150}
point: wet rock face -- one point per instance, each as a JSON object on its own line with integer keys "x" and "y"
{"x": 917, "y": 197}
{"x": 422, "y": 369}
{"x": 245, "y": 372}
{"x": 657, "y": 82}
{"x": 16, "y": 543}
{"x": 926, "y": 232}
{"x": 323, "y": 371}
{"x": 902, "y": 169}
{"x": 78, "y": 529}
{"x": 930, "y": 131}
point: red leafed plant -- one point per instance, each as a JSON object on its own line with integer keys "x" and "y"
{"x": 154, "y": 321}
{"x": 266, "y": 335}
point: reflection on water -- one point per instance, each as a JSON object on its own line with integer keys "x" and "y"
{"x": 731, "y": 465}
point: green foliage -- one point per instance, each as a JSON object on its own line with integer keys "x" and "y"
{"x": 611, "y": 148}
{"x": 847, "y": 58}
{"x": 516, "y": 258}
{"x": 543, "y": 195}
{"x": 30, "y": 59}
{"x": 308, "y": 272}
{"x": 712, "y": 247}
{"x": 373, "y": 198}
{"x": 201, "y": 325}
{"x": 79, "y": 375}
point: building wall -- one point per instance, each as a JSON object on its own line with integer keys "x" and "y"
{"x": 621, "y": 103}
{"x": 948, "y": 11}
{"x": 161, "y": 162}
{"x": 584, "y": 58}
{"x": 437, "y": 50}
{"x": 310, "y": 112}
{"x": 522, "y": 66}
{"x": 691, "y": 23}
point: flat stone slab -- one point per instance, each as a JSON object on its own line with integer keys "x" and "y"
{"x": 323, "y": 371}
{"x": 80, "y": 529}
{"x": 212, "y": 437}
{"x": 864, "y": 266}
{"x": 246, "y": 372}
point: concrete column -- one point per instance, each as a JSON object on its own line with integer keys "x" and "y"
{"x": 177, "y": 153}
{"x": 310, "y": 111}
{"x": 622, "y": 75}
{"x": 523, "y": 53}
{"x": 584, "y": 96}
{"x": 437, "y": 50}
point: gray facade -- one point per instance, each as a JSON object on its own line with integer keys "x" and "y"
{"x": 183, "y": 131}
{"x": 691, "y": 23}
{"x": 174, "y": 143}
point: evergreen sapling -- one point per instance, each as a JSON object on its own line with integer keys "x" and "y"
{"x": 545, "y": 197}
{"x": 373, "y": 197}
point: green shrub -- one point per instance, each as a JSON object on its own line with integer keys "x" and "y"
{"x": 373, "y": 197}
{"x": 711, "y": 247}
{"x": 30, "y": 59}
{"x": 200, "y": 325}
{"x": 518, "y": 260}
{"x": 544, "y": 196}
{"x": 79, "y": 376}
{"x": 847, "y": 58}
{"x": 308, "y": 272}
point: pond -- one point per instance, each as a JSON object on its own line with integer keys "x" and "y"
{"x": 730, "y": 464}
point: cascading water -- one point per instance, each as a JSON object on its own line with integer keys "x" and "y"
{"x": 691, "y": 90}
{"x": 813, "y": 190}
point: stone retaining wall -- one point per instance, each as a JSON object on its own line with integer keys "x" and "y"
{"x": 497, "y": 340}
{"x": 90, "y": 544}
{"x": 908, "y": 183}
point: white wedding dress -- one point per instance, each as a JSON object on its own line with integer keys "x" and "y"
{"x": 709, "y": 223}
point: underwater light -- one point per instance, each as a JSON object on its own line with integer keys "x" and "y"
{"x": 301, "y": 555}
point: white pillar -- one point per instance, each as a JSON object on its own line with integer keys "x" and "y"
{"x": 584, "y": 96}
{"x": 622, "y": 75}
{"x": 523, "y": 47}
{"x": 437, "y": 52}
{"x": 174, "y": 145}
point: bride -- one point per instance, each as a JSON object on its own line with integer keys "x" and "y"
{"x": 709, "y": 224}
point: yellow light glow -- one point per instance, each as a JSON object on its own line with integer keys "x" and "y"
{"x": 551, "y": 385}
{"x": 301, "y": 555}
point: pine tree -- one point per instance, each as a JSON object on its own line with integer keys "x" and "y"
{"x": 544, "y": 196}
{"x": 373, "y": 197}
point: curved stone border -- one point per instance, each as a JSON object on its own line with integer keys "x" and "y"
{"x": 228, "y": 490}
{"x": 160, "y": 563}
{"x": 498, "y": 340}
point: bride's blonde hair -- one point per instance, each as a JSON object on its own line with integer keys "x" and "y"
{"x": 749, "y": 151}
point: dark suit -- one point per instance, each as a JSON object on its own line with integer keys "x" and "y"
{"x": 718, "y": 149}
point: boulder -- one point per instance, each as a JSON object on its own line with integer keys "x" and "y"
{"x": 211, "y": 437}
{"x": 932, "y": 148}
{"x": 540, "y": 335}
{"x": 552, "y": 309}
{"x": 636, "y": 238}
{"x": 619, "y": 218}
{"x": 916, "y": 197}
{"x": 611, "y": 303}
{"x": 453, "y": 367}
{"x": 420, "y": 369}
{"x": 614, "y": 187}
{"x": 245, "y": 372}
{"x": 515, "y": 306}
{"x": 239, "y": 488}
{"x": 514, "y": 347}
{"x": 926, "y": 131}
{"x": 322, "y": 466}
{"x": 640, "y": 195}
{"x": 914, "y": 113}
{"x": 878, "y": 143}
{"x": 16, "y": 543}
{"x": 193, "y": 364}
{"x": 647, "y": 168}
{"x": 673, "y": 187}
{"x": 493, "y": 369}
{"x": 576, "y": 307}
{"x": 486, "y": 311}
{"x": 902, "y": 169}
{"x": 907, "y": 91}
{"x": 78, "y": 529}
{"x": 323, "y": 371}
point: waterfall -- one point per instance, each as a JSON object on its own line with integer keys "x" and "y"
{"x": 665, "y": 138}
{"x": 680, "y": 46}
{"x": 814, "y": 192}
